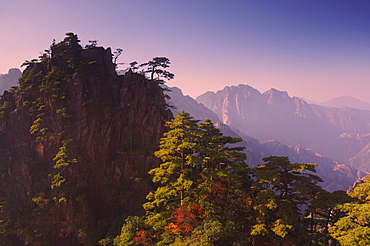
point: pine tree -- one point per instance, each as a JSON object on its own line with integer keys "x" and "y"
{"x": 282, "y": 189}
{"x": 224, "y": 192}
{"x": 157, "y": 66}
{"x": 203, "y": 198}
{"x": 323, "y": 213}
{"x": 178, "y": 154}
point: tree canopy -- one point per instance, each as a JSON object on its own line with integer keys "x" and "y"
{"x": 207, "y": 194}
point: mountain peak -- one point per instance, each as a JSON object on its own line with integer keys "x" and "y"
{"x": 241, "y": 89}
{"x": 274, "y": 96}
{"x": 274, "y": 91}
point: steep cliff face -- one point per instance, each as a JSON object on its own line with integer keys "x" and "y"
{"x": 75, "y": 140}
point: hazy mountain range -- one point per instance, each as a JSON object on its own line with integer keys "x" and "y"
{"x": 10, "y": 79}
{"x": 346, "y": 102}
{"x": 337, "y": 133}
{"x": 243, "y": 107}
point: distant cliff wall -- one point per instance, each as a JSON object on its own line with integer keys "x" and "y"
{"x": 10, "y": 79}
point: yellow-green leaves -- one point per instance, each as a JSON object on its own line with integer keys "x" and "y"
{"x": 354, "y": 229}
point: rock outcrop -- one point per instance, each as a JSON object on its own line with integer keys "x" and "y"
{"x": 75, "y": 140}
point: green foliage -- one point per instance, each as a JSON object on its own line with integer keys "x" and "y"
{"x": 203, "y": 197}
{"x": 133, "y": 232}
{"x": 40, "y": 201}
{"x": 177, "y": 151}
{"x": 323, "y": 213}
{"x": 61, "y": 162}
{"x": 75, "y": 64}
{"x": 51, "y": 82}
{"x": 354, "y": 229}
{"x": 35, "y": 126}
{"x": 63, "y": 112}
{"x": 281, "y": 188}
{"x": 14, "y": 89}
{"x": 207, "y": 197}
{"x": 6, "y": 108}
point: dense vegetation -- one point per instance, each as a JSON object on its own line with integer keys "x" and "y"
{"x": 207, "y": 195}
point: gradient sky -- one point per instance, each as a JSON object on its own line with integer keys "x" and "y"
{"x": 315, "y": 49}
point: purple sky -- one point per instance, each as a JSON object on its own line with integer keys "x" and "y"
{"x": 316, "y": 49}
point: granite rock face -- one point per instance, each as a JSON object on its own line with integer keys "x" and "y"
{"x": 75, "y": 140}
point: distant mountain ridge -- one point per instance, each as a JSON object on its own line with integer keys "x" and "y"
{"x": 10, "y": 79}
{"x": 180, "y": 102}
{"x": 265, "y": 116}
{"x": 346, "y": 102}
{"x": 291, "y": 121}
{"x": 336, "y": 176}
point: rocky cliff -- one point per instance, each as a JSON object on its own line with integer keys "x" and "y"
{"x": 75, "y": 140}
